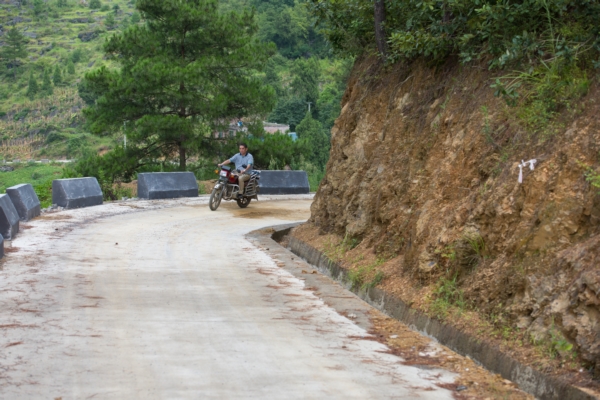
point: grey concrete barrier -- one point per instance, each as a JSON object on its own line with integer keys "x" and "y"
{"x": 25, "y": 201}
{"x": 9, "y": 218}
{"x": 1, "y": 246}
{"x": 76, "y": 193}
{"x": 166, "y": 185}
{"x": 283, "y": 182}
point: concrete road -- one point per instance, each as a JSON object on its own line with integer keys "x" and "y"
{"x": 147, "y": 300}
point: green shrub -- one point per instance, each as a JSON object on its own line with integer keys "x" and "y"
{"x": 113, "y": 167}
{"x": 55, "y": 137}
{"x": 44, "y": 193}
{"x": 447, "y": 294}
{"x": 592, "y": 177}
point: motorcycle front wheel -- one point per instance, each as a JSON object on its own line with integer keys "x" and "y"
{"x": 215, "y": 198}
{"x": 243, "y": 202}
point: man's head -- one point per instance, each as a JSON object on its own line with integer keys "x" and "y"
{"x": 243, "y": 148}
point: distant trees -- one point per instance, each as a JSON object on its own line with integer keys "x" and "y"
{"x": 47, "y": 89}
{"x": 38, "y": 7}
{"x": 95, "y": 4}
{"x": 70, "y": 67}
{"x": 308, "y": 86}
{"x": 305, "y": 85}
{"x": 316, "y": 140}
{"x": 289, "y": 25}
{"x": 57, "y": 78}
{"x": 76, "y": 55}
{"x": 32, "y": 87}
{"x": 49, "y": 80}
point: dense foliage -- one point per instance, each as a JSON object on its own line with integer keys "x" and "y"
{"x": 506, "y": 30}
{"x": 548, "y": 45}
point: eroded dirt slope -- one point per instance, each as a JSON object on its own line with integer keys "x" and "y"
{"x": 424, "y": 173}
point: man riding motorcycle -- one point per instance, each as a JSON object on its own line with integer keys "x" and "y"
{"x": 243, "y": 164}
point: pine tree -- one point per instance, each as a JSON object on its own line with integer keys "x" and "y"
{"x": 70, "y": 67}
{"x": 14, "y": 47}
{"x": 317, "y": 141}
{"x": 76, "y": 55}
{"x": 186, "y": 68}
{"x": 47, "y": 89}
{"x": 38, "y": 7}
{"x": 109, "y": 22}
{"x": 57, "y": 76}
{"x": 32, "y": 88}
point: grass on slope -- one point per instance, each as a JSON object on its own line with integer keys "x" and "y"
{"x": 35, "y": 174}
{"x": 57, "y": 36}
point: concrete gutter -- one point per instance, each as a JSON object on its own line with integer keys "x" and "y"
{"x": 528, "y": 379}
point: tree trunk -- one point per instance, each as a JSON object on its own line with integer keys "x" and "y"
{"x": 182, "y": 165}
{"x": 380, "y": 37}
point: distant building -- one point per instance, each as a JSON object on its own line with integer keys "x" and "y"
{"x": 232, "y": 130}
{"x": 237, "y": 126}
{"x": 271, "y": 128}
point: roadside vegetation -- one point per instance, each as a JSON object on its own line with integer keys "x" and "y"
{"x": 33, "y": 173}
{"x": 546, "y": 52}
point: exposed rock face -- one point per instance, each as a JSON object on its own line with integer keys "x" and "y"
{"x": 423, "y": 161}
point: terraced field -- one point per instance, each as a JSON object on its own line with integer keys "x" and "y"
{"x": 68, "y": 38}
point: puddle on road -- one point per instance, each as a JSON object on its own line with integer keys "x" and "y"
{"x": 292, "y": 210}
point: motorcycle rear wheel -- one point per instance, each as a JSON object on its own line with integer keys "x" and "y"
{"x": 243, "y": 202}
{"x": 215, "y": 198}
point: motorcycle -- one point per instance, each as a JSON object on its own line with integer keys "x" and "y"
{"x": 227, "y": 188}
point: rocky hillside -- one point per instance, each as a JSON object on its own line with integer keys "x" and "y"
{"x": 424, "y": 177}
